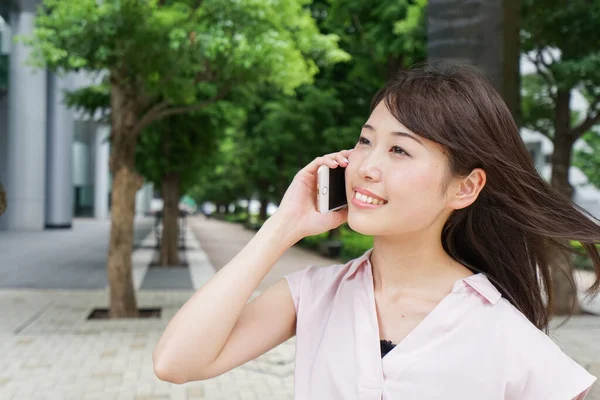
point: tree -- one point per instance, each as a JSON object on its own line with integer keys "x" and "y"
{"x": 3, "y": 73}
{"x": 2, "y": 199}
{"x": 483, "y": 33}
{"x": 159, "y": 56}
{"x": 224, "y": 179}
{"x": 561, "y": 40}
{"x": 588, "y": 160}
{"x": 173, "y": 154}
{"x": 3, "y": 88}
{"x": 286, "y": 132}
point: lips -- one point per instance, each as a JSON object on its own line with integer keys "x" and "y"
{"x": 367, "y": 197}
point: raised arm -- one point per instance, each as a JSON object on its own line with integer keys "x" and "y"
{"x": 216, "y": 330}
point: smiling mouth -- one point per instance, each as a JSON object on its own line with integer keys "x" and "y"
{"x": 368, "y": 199}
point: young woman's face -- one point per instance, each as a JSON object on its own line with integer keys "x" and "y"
{"x": 405, "y": 170}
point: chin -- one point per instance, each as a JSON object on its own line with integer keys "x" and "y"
{"x": 364, "y": 226}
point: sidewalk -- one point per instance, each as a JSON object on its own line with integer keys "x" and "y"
{"x": 61, "y": 259}
{"x": 222, "y": 241}
{"x": 51, "y": 351}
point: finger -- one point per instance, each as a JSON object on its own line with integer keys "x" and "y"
{"x": 345, "y": 156}
{"x": 341, "y": 159}
{"x": 338, "y": 217}
{"x": 314, "y": 165}
{"x": 331, "y": 161}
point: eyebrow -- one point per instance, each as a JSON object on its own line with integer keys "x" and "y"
{"x": 404, "y": 134}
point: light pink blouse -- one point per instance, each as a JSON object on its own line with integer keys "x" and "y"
{"x": 474, "y": 345}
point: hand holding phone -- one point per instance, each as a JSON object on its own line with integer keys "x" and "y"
{"x": 331, "y": 189}
{"x": 297, "y": 212}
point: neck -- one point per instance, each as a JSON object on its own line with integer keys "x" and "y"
{"x": 411, "y": 262}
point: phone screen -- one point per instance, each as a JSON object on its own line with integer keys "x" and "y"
{"x": 337, "y": 187}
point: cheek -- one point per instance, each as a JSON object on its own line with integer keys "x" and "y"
{"x": 411, "y": 180}
{"x": 351, "y": 169}
{"x": 416, "y": 187}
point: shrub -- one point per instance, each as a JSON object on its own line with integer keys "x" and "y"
{"x": 581, "y": 260}
{"x": 354, "y": 244}
{"x": 312, "y": 242}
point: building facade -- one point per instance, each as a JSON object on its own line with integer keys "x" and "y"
{"x": 53, "y": 161}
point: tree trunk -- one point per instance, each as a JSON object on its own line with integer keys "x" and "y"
{"x": 563, "y": 144}
{"x": 169, "y": 251}
{"x": 469, "y": 31}
{"x": 393, "y": 67}
{"x": 565, "y": 298}
{"x": 262, "y": 214}
{"x": 248, "y": 209}
{"x": 2, "y": 199}
{"x": 511, "y": 71}
{"x": 483, "y": 33}
{"x": 126, "y": 182}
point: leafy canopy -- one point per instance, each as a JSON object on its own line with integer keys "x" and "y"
{"x": 561, "y": 40}
{"x": 167, "y": 49}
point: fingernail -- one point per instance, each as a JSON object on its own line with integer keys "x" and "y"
{"x": 345, "y": 159}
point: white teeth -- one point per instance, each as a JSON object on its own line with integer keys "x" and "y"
{"x": 368, "y": 199}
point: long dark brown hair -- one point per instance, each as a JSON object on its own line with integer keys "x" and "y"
{"x": 519, "y": 223}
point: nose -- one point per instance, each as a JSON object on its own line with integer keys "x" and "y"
{"x": 369, "y": 168}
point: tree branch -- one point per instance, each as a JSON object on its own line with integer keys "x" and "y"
{"x": 205, "y": 76}
{"x": 590, "y": 120}
{"x": 150, "y": 116}
{"x": 540, "y": 58}
{"x": 155, "y": 114}
{"x": 543, "y": 131}
{"x": 195, "y": 9}
{"x": 361, "y": 34}
{"x": 542, "y": 69}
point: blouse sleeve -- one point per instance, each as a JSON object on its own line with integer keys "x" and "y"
{"x": 295, "y": 281}
{"x": 549, "y": 373}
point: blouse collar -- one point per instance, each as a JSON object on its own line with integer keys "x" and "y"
{"x": 479, "y": 282}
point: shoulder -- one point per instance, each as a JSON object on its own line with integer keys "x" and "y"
{"x": 536, "y": 366}
{"x": 317, "y": 276}
{"x": 531, "y": 365}
{"x": 316, "y": 281}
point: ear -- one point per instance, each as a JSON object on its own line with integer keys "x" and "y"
{"x": 466, "y": 190}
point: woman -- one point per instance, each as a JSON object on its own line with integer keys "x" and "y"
{"x": 460, "y": 219}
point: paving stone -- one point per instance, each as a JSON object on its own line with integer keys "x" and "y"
{"x": 51, "y": 351}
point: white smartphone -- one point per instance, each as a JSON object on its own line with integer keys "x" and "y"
{"x": 331, "y": 189}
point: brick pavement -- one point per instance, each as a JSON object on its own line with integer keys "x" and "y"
{"x": 51, "y": 351}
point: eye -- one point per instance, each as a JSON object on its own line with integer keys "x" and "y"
{"x": 399, "y": 150}
{"x": 363, "y": 140}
